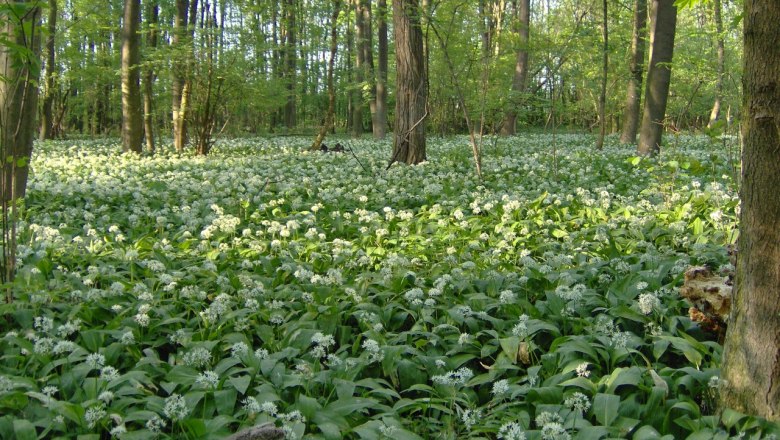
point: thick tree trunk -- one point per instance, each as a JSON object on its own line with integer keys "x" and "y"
{"x": 132, "y": 114}
{"x": 659, "y": 76}
{"x": 18, "y": 102}
{"x": 380, "y": 125}
{"x": 47, "y": 118}
{"x": 523, "y": 8}
{"x": 334, "y": 40}
{"x": 715, "y": 113}
{"x": 411, "y": 84}
{"x": 179, "y": 76}
{"x": 153, "y": 13}
{"x": 751, "y": 356}
{"x": 636, "y": 67}
{"x": 604, "y": 73}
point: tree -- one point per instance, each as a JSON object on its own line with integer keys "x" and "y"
{"x": 365, "y": 57}
{"x": 132, "y": 119}
{"x": 715, "y": 113}
{"x": 47, "y": 116}
{"x": 329, "y": 116}
{"x": 411, "y": 84}
{"x": 19, "y": 69}
{"x": 751, "y": 355}
{"x": 659, "y": 76}
{"x": 604, "y": 74}
{"x": 380, "y": 123}
{"x": 635, "y": 67}
{"x": 522, "y": 20}
{"x": 151, "y": 43}
{"x": 179, "y": 74}
{"x": 290, "y": 61}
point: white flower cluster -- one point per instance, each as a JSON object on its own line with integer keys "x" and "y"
{"x": 454, "y": 378}
{"x": 321, "y": 343}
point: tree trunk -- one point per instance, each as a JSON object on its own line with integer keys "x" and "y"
{"x": 751, "y": 356}
{"x": 659, "y": 76}
{"x": 47, "y": 119}
{"x": 411, "y": 82}
{"x": 132, "y": 115}
{"x": 636, "y": 65}
{"x": 357, "y": 85}
{"x": 604, "y": 73}
{"x": 365, "y": 51}
{"x": 153, "y": 11}
{"x": 18, "y": 100}
{"x": 334, "y": 40}
{"x": 380, "y": 126}
{"x": 715, "y": 113}
{"x": 290, "y": 63}
{"x": 523, "y": 8}
{"x": 179, "y": 63}
{"x": 18, "y": 106}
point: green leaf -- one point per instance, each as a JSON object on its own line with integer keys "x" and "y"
{"x": 646, "y": 432}
{"x": 24, "y": 430}
{"x": 241, "y": 383}
{"x": 605, "y": 407}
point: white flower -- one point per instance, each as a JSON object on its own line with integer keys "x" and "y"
{"x": 95, "y": 360}
{"x": 175, "y": 407}
{"x": 578, "y": 402}
{"x": 500, "y": 387}
{"x": 197, "y": 357}
{"x": 251, "y": 405}
{"x": 207, "y": 379}
{"x": 93, "y": 415}
{"x": 554, "y": 431}
{"x": 648, "y": 302}
{"x": 470, "y": 417}
{"x": 582, "y": 370}
{"x": 511, "y": 431}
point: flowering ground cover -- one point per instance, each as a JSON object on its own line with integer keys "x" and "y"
{"x": 188, "y": 297}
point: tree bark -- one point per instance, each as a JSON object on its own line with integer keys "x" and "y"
{"x": 290, "y": 61}
{"x": 380, "y": 125}
{"x": 365, "y": 52}
{"x": 132, "y": 115}
{"x": 715, "y": 113}
{"x": 411, "y": 84}
{"x": 751, "y": 356}
{"x": 523, "y": 20}
{"x": 153, "y": 13}
{"x": 178, "y": 81}
{"x": 636, "y": 67}
{"x": 659, "y": 76}
{"x": 47, "y": 118}
{"x": 18, "y": 101}
{"x": 334, "y": 41}
{"x": 604, "y": 73}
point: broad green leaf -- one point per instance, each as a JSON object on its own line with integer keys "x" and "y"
{"x": 605, "y": 408}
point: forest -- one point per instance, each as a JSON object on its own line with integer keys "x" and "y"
{"x": 415, "y": 219}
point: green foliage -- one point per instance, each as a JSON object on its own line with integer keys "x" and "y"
{"x": 183, "y": 297}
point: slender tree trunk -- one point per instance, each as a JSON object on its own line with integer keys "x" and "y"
{"x": 153, "y": 12}
{"x": 715, "y": 113}
{"x": 659, "y": 76}
{"x": 751, "y": 355}
{"x": 366, "y": 57}
{"x": 18, "y": 100}
{"x": 380, "y": 125}
{"x": 604, "y": 73}
{"x": 18, "y": 106}
{"x": 177, "y": 86}
{"x": 411, "y": 84}
{"x": 47, "y": 120}
{"x": 290, "y": 63}
{"x": 132, "y": 114}
{"x": 523, "y": 8}
{"x": 357, "y": 92}
{"x": 334, "y": 40}
{"x": 636, "y": 67}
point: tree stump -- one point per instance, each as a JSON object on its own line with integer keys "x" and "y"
{"x": 710, "y": 295}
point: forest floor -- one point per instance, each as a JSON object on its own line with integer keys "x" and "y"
{"x": 178, "y": 296}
